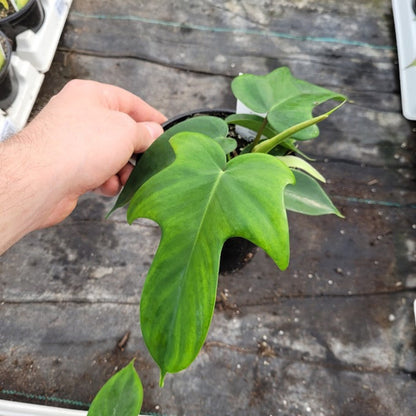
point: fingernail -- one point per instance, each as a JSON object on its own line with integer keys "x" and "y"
{"x": 155, "y": 129}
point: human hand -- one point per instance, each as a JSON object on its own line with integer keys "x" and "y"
{"x": 81, "y": 141}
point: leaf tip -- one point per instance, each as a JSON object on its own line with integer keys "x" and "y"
{"x": 116, "y": 206}
{"x": 338, "y": 214}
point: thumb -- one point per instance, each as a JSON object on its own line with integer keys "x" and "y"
{"x": 147, "y": 133}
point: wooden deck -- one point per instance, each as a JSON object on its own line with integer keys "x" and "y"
{"x": 335, "y": 334}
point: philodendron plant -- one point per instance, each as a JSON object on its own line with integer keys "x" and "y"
{"x": 202, "y": 189}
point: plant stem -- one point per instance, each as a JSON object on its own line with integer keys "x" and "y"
{"x": 267, "y": 145}
{"x": 260, "y": 131}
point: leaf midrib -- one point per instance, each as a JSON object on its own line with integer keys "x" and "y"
{"x": 197, "y": 234}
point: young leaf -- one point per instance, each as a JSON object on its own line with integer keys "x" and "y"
{"x": 20, "y": 4}
{"x": 307, "y": 197}
{"x": 5, "y": 4}
{"x": 298, "y": 163}
{"x": 227, "y": 144}
{"x": 160, "y": 154}
{"x": 122, "y": 395}
{"x": 200, "y": 201}
{"x": 268, "y": 145}
{"x": 2, "y": 57}
{"x": 286, "y": 99}
{"x": 413, "y": 63}
{"x": 253, "y": 122}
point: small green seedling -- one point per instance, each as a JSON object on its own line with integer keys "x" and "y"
{"x": 4, "y": 4}
{"x": 202, "y": 189}
{"x": 2, "y": 57}
{"x": 121, "y": 395}
{"x": 412, "y": 64}
{"x": 17, "y": 4}
{"x": 21, "y": 3}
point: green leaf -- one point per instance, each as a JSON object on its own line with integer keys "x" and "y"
{"x": 122, "y": 395}
{"x": 298, "y": 163}
{"x": 266, "y": 146}
{"x": 2, "y": 57}
{"x": 307, "y": 197}
{"x": 286, "y": 100}
{"x": 200, "y": 201}
{"x": 413, "y": 63}
{"x": 227, "y": 144}
{"x": 21, "y": 3}
{"x": 160, "y": 154}
{"x": 252, "y": 122}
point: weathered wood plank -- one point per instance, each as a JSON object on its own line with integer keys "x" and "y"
{"x": 332, "y": 335}
{"x": 264, "y": 32}
{"x": 348, "y": 49}
{"x": 289, "y": 354}
{"x": 357, "y": 132}
{"x": 172, "y": 91}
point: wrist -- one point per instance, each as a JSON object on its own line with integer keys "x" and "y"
{"x": 23, "y": 189}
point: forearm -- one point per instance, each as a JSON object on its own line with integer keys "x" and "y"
{"x": 20, "y": 191}
{"x": 33, "y": 191}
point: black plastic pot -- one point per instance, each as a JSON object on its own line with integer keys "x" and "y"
{"x": 30, "y": 17}
{"x": 217, "y": 112}
{"x": 236, "y": 252}
{"x": 8, "y": 80}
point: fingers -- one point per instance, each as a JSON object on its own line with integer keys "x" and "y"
{"x": 147, "y": 133}
{"x": 111, "y": 124}
{"x": 112, "y": 98}
{"x": 121, "y": 100}
{"x": 125, "y": 173}
{"x": 111, "y": 187}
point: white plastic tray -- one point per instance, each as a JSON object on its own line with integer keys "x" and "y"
{"x": 29, "y": 81}
{"x": 39, "y": 48}
{"x": 32, "y": 58}
{"x": 414, "y": 310}
{"x": 405, "y": 27}
{"x": 10, "y": 408}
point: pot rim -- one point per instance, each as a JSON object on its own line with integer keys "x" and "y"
{"x": 203, "y": 111}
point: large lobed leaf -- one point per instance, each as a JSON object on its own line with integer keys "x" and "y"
{"x": 160, "y": 154}
{"x": 286, "y": 100}
{"x": 200, "y": 201}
